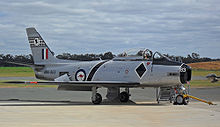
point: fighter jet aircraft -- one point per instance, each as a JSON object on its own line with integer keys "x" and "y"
{"x": 133, "y": 69}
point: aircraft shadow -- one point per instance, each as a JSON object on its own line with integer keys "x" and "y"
{"x": 18, "y": 102}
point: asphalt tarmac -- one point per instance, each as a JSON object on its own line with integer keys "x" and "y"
{"x": 25, "y": 107}
{"x": 51, "y": 94}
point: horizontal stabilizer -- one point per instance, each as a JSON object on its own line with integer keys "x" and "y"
{"x": 22, "y": 64}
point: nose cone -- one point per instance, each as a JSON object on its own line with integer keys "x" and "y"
{"x": 185, "y": 73}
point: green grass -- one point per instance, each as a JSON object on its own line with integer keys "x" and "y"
{"x": 204, "y": 72}
{"x": 203, "y": 83}
{"x": 16, "y": 72}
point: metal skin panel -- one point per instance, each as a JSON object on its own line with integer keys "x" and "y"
{"x": 118, "y": 71}
{"x": 160, "y": 75}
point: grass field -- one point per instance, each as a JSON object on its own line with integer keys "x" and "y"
{"x": 16, "y": 72}
{"x": 213, "y": 65}
{"x": 203, "y": 83}
{"x": 204, "y": 72}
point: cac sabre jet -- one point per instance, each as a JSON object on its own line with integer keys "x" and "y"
{"x": 138, "y": 70}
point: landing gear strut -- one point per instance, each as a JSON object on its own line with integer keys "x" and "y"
{"x": 96, "y": 97}
{"x": 112, "y": 94}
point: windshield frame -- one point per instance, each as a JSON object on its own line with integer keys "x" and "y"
{"x": 164, "y": 60}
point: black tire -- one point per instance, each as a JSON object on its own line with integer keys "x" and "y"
{"x": 186, "y": 100}
{"x": 124, "y": 97}
{"x": 98, "y": 99}
{"x": 179, "y": 99}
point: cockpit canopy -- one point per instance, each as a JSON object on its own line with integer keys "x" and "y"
{"x": 136, "y": 54}
{"x": 145, "y": 55}
{"x": 139, "y": 54}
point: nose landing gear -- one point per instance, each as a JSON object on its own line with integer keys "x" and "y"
{"x": 174, "y": 95}
{"x": 178, "y": 96}
{"x": 181, "y": 97}
{"x": 181, "y": 100}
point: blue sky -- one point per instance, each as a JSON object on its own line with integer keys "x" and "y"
{"x": 177, "y": 27}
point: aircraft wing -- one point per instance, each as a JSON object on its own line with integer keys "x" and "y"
{"x": 81, "y": 83}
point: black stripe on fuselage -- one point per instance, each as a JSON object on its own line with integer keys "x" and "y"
{"x": 94, "y": 69}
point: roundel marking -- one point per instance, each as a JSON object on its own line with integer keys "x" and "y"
{"x": 80, "y": 75}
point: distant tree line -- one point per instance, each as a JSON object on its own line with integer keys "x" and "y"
{"x": 191, "y": 58}
{"x": 28, "y": 59}
{"x": 86, "y": 57}
{"x": 5, "y": 59}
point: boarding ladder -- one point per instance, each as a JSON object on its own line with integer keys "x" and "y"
{"x": 163, "y": 94}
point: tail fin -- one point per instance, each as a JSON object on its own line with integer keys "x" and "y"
{"x": 40, "y": 51}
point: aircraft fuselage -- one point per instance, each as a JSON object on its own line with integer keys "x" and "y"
{"x": 145, "y": 72}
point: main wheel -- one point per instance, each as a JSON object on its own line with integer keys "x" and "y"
{"x": 98, "y": 99}
{"x": 179, "y": 99}
{"x": 124, "y": 97}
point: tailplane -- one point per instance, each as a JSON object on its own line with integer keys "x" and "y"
{"x": 40, "y": 51}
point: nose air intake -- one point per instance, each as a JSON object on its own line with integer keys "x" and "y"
{"x": 185, "y": 73}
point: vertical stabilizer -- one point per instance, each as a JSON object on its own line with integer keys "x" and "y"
{"x": 40, "y": 51}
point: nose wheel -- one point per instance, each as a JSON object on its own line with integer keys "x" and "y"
{"x": 179, "y": 99}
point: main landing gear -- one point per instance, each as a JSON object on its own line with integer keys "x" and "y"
{"x": 113, "y": 94}
{"x": 124, "y": 96}
{"x": 96, "y": 97}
